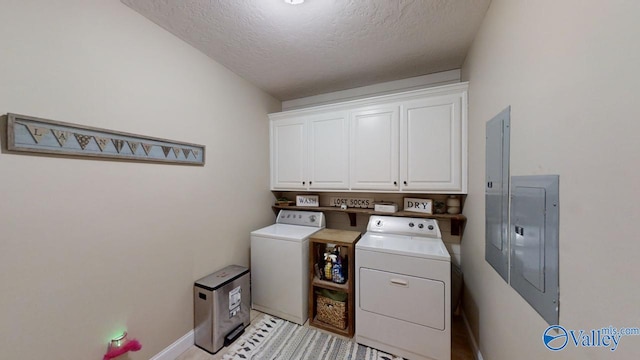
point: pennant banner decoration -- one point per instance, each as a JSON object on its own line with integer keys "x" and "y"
{"x": 102, "y": 142}
{"x": 55, "y": 138}
{"x": 147, "y": 148}
{"x": 133, "y": 145}
{"x": 61, "y": 136}
{"x": 37, "y": 132}
{"x": 118, "y": 144}
{"x": 165, "y": 150}
{"x": 83, "y": 140}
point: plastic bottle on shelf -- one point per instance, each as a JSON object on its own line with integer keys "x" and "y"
{"x": 328, "y": 265}
{"x": 337, "y": 273}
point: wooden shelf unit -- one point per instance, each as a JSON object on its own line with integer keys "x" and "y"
{"x": 318, "y": 242}
{"x": 457, "y": 221}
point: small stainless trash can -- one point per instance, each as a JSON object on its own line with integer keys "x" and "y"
{"x": 221, "y": 303}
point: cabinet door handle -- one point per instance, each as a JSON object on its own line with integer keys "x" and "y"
{"x": 405, "y": 182}
{"x": 395, "y": 183}
{"x": 310, "y": 182}
{"x": 303, "y": 183}
{"x": 399, "y": 282}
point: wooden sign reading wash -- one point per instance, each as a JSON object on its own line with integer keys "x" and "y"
{"x": 365, "y": 203}
{"x": 307, "y": 200}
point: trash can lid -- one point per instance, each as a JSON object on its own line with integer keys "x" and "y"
{"x": 221, "y": 277}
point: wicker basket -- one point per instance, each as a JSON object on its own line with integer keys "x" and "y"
{"x": 332, "y": 312}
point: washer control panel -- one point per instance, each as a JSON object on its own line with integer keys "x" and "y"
{"x": 404, "y": 226}
{"x": 301, "y": 218}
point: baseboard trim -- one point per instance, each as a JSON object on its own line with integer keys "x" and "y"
{"x": 174, "y": 350}
{"x": 472, "y": 339}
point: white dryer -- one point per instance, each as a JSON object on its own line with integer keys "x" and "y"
{"x": 280, "y": 264}
{"x": 403, "y": 277}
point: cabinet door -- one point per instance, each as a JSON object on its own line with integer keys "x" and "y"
{"x": 288, "y": 154}
{"x": 328, "y": 166}
{"x": 374, "y": 148}
{"x": 431, "y": 138}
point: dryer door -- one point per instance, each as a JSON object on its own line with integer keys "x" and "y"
{"x": 417, "y": 300}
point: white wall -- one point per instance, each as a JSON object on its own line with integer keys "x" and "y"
{"x": 88, "y": 248}
{"x": 569, "y": 70}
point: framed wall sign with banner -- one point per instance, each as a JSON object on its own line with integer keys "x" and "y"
{"x": 35, "y": 135}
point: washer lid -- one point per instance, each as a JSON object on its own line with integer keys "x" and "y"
{"x": 427, "y": 248}
{"x": 286, "y": 232}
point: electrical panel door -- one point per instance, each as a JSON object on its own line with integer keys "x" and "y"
{"x": 534, "y": 242}
{"x": 497, "y": 193}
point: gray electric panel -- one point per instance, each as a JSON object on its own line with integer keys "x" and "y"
{"x": 497, "y": 193}
{"x": 534, "y": 242}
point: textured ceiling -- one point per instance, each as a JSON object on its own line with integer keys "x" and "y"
{"x": 323, "y": 45}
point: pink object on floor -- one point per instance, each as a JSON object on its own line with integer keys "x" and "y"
{"x": 130, "y": 345}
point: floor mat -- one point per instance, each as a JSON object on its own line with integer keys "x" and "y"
{"x": 273, "y": 338}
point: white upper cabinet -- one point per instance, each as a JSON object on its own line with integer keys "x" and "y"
{"x": 374, "y": 148}
{"x": 310, "y": 152}
{"x": 433, "y": 142}
{"x": 288, "y": 154}
{"x": 328, "y": 166}
{"x": 414, "y": 141}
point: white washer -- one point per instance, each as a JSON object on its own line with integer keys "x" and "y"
{"x": 280, "y": 264}
{"x": 403, "y": 277}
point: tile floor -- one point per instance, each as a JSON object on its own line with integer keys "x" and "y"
{"x": 460, "y": 346}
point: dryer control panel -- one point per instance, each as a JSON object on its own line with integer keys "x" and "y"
{"x": 404, "y": 226}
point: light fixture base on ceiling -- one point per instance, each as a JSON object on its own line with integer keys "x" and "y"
{"x": 294, "y": 2}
